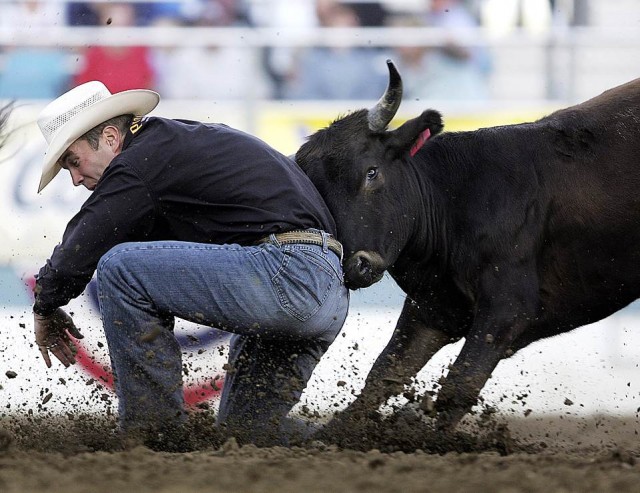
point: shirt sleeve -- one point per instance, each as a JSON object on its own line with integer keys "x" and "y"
{"x": 120, "y": 209}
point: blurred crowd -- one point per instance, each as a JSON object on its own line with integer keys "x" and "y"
{"x": 453, "y": 70}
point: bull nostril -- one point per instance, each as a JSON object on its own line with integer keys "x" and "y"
{"x": 363, "y": 265}
{"x": 363, "y": 268}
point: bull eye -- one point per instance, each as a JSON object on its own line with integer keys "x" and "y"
{"x": 372, "y": 173}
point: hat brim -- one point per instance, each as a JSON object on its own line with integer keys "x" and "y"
{"x": 138, "y": 102}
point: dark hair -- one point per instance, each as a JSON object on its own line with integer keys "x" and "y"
{"x": 122, "y": 123}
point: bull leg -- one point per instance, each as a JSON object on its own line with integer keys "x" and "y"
{"x": 466, "y": 378}
{"x": 501, "y": 318}
{"x": 411, "y": 346}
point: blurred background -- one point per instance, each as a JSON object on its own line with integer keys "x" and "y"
{"x": 282, "y": 69}
{"x": 452, "y": 50}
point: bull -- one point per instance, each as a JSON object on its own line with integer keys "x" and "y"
{"x": 499, "y": 236}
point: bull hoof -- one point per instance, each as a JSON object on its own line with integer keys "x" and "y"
{"x": 5, "y": 440}
{"x": 446, "y": 421}
{"x": 349, "y": 430}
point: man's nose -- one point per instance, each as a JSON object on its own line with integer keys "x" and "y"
{"x": 76, "y": 178}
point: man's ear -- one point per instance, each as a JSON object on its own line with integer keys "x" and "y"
{"x": 113, "y": 137}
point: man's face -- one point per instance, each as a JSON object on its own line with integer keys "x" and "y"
{"x": 86, "y": 164}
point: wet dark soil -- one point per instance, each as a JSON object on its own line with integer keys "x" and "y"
{"x": 83, "y": 453}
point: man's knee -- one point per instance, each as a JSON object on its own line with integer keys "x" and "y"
{"x": 113, "y": 264}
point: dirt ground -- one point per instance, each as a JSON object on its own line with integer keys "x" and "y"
{"x": 550, "y": 454}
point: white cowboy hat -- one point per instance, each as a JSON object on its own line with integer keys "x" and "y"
{"x": 76, "y": 112}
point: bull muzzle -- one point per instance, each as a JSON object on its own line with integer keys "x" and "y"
{"x": 362, "y": 269}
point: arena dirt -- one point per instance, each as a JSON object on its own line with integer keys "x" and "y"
{"x": 492, "y": 454}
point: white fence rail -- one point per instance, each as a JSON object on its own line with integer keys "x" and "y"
{"x": 569, "y": 64}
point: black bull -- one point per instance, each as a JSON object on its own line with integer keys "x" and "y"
{"x": 501, "y": 236}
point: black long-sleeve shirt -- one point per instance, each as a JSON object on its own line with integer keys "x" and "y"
{"x": 181, "y": 180}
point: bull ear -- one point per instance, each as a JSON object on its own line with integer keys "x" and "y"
{"x": 411, "y": 135}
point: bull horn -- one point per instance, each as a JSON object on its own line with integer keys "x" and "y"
{"x": 385, "y": 109}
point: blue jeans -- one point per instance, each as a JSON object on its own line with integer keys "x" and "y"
{"x": 284, "y": 304}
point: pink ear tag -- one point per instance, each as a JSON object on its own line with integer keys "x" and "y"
{"x": 422, "y": 138}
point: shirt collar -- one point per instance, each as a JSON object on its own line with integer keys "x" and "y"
{"x": 137, "y": 124}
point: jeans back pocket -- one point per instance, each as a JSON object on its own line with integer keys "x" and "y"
{"x": 304, "y": 280}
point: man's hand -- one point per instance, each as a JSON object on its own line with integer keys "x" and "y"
{"x": 52, "y": 334}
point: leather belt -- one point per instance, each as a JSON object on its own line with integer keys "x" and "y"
{"x": 308, "y": 237}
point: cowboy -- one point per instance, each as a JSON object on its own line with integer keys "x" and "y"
{"x": 191, "y": 220}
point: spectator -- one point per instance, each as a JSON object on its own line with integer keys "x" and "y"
{"x": 217, "y": 13}
{"x": 208, "y": 72}
{"x": 371, "y": 14}
{"x": 455, "y": 70}
{"x": 119, "y": 67}
{"x": 413, "y": 62}
{"x": 86, "y": 13}
{"x": 81, "y": 14}
{"x": 337, "y": 72}
{"x": 278, "y": 62}
{"x": 503, "y": 16}
{"x": 33, "y": 73}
